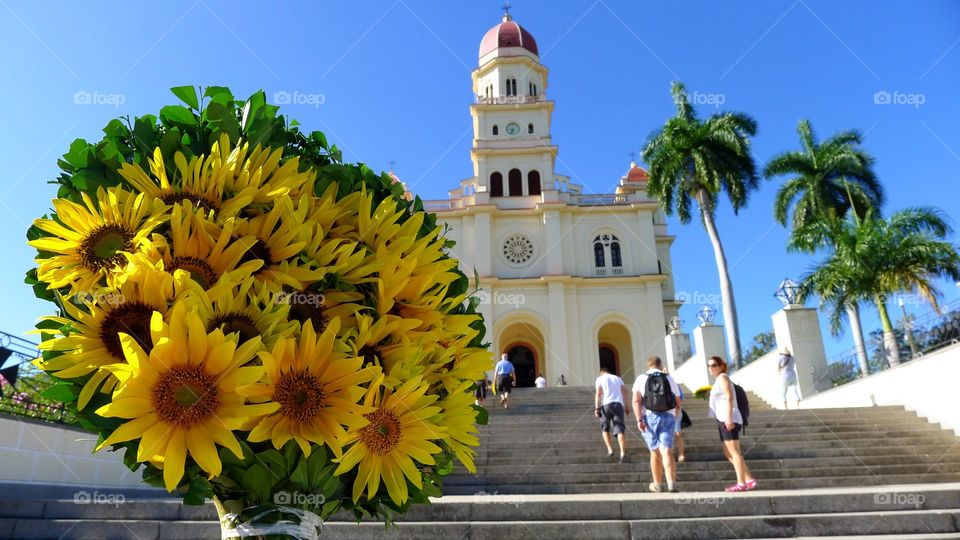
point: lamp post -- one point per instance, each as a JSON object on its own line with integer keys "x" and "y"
{"x": 706, "y": 315}
{"x": 908, "y": 326}
{"x": 788, "y": 292}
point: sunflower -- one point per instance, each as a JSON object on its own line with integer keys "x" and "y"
{"x": 205, "y": 250}
{"x": 278, "y": 239}
{"x": 90, "y": 332}
{"x": 180, "y": 398}
{"x": 261, "y": 172}
{"x": 316, "y": 385}
{"x": 400, "y": 430}
{"x": 376, "y": 341}
{"x": 339, "y": 217}
{"x": 319, "y": 306}
{"x": 88, "y": 241}
{"x": 247, "y": 308}
{"x": 459, "y": 418}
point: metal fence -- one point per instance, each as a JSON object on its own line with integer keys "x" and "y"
{"x": 916, "y": 337}
{"x": 24, "y": 398}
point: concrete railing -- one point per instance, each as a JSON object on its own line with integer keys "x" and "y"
{"x": 927, "y": 385}
{"x": 761, "y": 378}
{"x": 35, "y": 453}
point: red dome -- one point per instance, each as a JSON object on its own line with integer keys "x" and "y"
{"x": 637, "y": 174}
{"x": 507, "y": 34}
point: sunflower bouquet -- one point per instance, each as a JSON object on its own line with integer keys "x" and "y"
{"x": 255, "y": 322}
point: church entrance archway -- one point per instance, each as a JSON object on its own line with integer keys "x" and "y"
{"x": 608, "y": 359}
{"x": 525, "y": 362}
{"x": 614, "y": 348}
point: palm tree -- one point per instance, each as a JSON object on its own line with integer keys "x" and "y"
{"x": 875, "y": 258}
{"x": 910, "y": 252}
{"x": 692, "y": 159}
{"x": 829, "y": 179}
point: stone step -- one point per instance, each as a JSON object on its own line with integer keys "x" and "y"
{"x": 692, "y": 464}
{"x": 685, "y": 476}
{"x": 715, "y": 454}
{"x": 494, "y": 442}
{"x": 698, "y": 487}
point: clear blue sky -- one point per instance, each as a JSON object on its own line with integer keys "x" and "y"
{"x": 394, "y": 77}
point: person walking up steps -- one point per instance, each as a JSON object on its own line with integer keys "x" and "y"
{"x": 787, "y": 368}
{"x": 609, "y": 403}
{"x": 723, "y": 407}
{"x": 656, "y": 403}
{"x": 505, "y": 376}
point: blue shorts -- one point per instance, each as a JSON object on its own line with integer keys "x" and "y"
{"x": 661, "y": 427}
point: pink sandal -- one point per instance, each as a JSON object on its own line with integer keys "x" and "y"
{"x": 752, "y": 484}
{"x": 737, "y": 488}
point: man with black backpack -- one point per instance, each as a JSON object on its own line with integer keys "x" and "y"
{"x": 656, "y": 404}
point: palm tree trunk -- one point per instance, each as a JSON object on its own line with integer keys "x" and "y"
{"x": 890, "y": 345}
{"x": 726, "y": 286}
{"x": 853, "y": 313}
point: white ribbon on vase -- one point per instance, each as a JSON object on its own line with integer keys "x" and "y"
{"x": 308, "y": 528}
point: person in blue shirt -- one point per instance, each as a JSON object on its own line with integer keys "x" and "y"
{"x": 505, "y": 376}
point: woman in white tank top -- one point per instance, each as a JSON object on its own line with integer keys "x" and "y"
{"x": 723, "y": 407}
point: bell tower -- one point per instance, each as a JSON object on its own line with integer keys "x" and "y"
{"x": 512, "y": 154}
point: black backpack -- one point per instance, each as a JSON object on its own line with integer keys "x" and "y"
{"x": 742, "y": 403}
{"x": 658, "y": 396}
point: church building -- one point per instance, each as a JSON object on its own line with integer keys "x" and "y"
{"x": 569, "y": 280}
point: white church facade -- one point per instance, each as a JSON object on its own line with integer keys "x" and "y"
{"x": 568, "y": 280}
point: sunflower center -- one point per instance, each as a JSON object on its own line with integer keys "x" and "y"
{"x": 304, "y": 307}
{"x": 383, "y": 432}
{"x": 259, "y": 251}
{"x": 199, "y": 269}
{"x": 370, "y": 354}
{"x": 131, "y": 318}
{"x": 300, "y": 395}
{"x": 103, "y": 247}
{"x": 198, "y": 200}
{"x": 236, "y": 322}
{"x": 185, "y": 396}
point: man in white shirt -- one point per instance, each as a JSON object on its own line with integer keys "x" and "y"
{"x": 656, "y": 404}
{"x": 541, "y": 382}
{"x": 608, "y": 403}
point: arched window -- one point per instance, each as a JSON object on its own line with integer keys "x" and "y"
{"x": 607, "y": 247}
{"x": 515, "y": 180}
{"x": 496, "y": 129}
{"x": 511, "y": 87}
{"x": 496, "y": 185}
{"x": 615, "y": 254}
{"x": 598, "y": 259}
{"x": 530, "y": 129}
{"x": 533, "y": 182}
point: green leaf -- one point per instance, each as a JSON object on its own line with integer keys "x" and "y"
{"x": 482, "y": 416}
{"x": 275, "y": 461}
{"x": 188, "y": 95}
{"x": 198, "y": 492}
{"x": 79, "y": 154}
{"x": 179, "y": 116}
{"x": 258, "y": 481}
{"x": 115, "y": 128}
{"x": 63, "y": 391}
{"x": 218, "y": 93}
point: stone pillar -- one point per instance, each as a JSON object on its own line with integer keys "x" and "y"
{"x": 484, "y": 254}
{"x": 678, "y": 349}
{"x": 552, "y": 239}
{"x": 798, "y": 328}
{"x": 709, "y": 341}
{"x": 557, "y": 349}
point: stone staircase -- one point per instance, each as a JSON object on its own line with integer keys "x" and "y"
{"x": 543, "y": 474}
